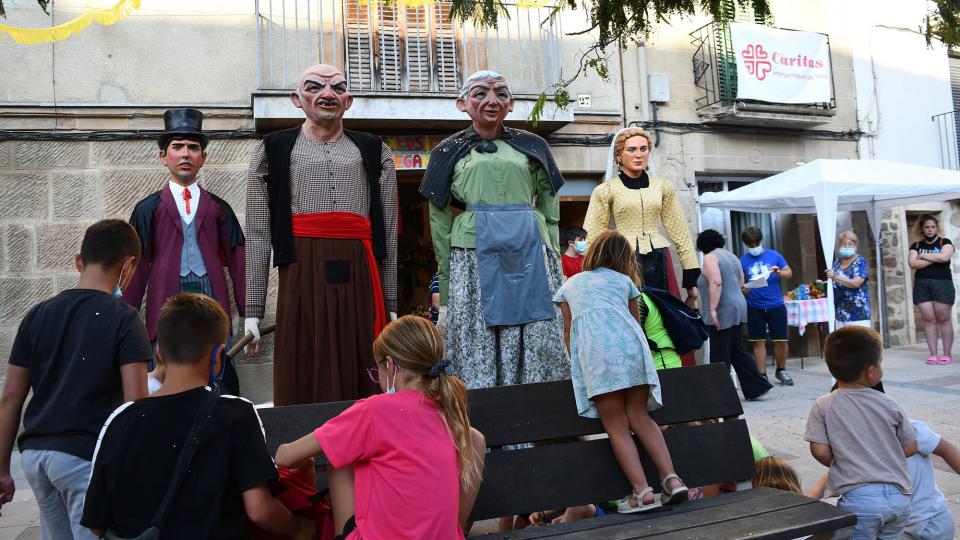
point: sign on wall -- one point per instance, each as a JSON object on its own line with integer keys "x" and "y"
{"x": 412, "y": 152}
{"x": 781, "y": 66}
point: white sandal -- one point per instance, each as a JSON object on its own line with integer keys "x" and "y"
{"x": 675, "y": 496}
{"x": 623, "y": 505}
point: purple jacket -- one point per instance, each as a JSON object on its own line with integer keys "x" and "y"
{"x": 221, "y": 241}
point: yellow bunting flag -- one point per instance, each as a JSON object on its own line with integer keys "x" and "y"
{"x": 104, "y": 16}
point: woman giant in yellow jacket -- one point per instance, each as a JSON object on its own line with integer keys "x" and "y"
{"x": 638, "y": 203}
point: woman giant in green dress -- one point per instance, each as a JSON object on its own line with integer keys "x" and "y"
{"x": 499, "y": 261}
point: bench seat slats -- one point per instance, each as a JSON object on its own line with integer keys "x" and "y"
{"x": 543, "y": 411}
{"x": 584, "y": 472}
{"x": 763, "y": 513}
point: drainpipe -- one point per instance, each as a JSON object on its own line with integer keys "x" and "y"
{"x": 642, "y": 76}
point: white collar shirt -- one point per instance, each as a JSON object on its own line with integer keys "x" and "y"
{"x": 177, "y": 191}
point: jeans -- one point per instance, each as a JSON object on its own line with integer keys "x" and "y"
{"x": 59, "y": 482}
{"x": 882, "y": 511}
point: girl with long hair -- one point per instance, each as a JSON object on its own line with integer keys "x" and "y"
{"x": 611, "y": 366}
{"x": 404, "y": 464}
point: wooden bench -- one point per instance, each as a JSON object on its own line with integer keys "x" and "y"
{"x": 565, "y": 470}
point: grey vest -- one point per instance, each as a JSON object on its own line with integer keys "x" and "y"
{"x": 732, "y": 309}
{"x": 190, "y": 258}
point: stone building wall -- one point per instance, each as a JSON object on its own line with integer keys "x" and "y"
{"x": 50, "y": 191}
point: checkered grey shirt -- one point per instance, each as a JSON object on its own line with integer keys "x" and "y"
{"x": 324, "y": 177}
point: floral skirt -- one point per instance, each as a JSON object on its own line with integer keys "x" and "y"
{"x": 485, "y": 356}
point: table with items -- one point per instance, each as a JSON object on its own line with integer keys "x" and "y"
{"x": 800, "y": 313}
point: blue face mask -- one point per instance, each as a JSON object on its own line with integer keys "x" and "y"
{"x": 216, "y": 376}
{"x": 755, "y": 251}
{"x": 117, "y": 291}
{"x": 847, "y": 252}
{"x": 580, "y": 246}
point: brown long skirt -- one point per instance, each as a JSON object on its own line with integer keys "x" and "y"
{"x": 325, "y": 320}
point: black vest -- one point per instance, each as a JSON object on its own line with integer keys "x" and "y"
{"x": 278, "y": 147}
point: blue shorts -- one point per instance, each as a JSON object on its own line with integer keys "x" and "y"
{"x": 774, "y": 319}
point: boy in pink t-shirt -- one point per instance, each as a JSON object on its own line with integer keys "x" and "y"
{"x": 405, "y": 464}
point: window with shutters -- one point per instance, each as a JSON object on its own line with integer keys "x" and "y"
{"x": 393, "y": 48}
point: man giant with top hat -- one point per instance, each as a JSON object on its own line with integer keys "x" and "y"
{"x": 187, "y": 234}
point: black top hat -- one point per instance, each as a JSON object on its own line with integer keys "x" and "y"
{"x": 187, "y": 123}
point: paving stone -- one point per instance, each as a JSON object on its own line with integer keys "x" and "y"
{"x": 24, "y": 196}
{"x": 228, "y": 184}
{"x": 17, "y": 295}
{"x": 125, "y": 153}
{"x": 230, "y": 151}
{"x": 76, "y": 195}
{"x": 123, "y": 188}
{"x": 58, "y": 244}
{"x": 46, "y": 154}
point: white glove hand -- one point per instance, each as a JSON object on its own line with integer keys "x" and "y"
{"x": 442, "y": 317}
{"x": 393, "y": 315}
{"x": 252, "y": 326}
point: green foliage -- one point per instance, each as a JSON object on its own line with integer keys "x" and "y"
{"x": 943, "y": 23}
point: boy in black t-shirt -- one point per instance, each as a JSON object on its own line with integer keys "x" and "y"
{"x": 141, "y": 442}
{"x": 82, "y": 353}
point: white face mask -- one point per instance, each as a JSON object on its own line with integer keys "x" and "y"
{"x": 580, "y": 246}
{"x": 755, "y": 251}
{"x": 117, "y": 291}
{"x": 392, "y": 389}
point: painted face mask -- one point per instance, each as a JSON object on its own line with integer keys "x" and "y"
{"x": 580, "y": 246}
{"x": 847, "y": 252}
{"x": 755, "y": 251}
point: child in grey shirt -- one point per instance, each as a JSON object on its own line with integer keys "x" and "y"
{"x": 863, "y": 436}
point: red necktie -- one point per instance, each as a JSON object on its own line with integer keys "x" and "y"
{"x": 186, "y": 198}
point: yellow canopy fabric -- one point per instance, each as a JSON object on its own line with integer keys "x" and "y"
{"x": 106, "y": 17}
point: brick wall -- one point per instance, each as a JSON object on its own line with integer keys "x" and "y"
{"x": 50, "y": 191}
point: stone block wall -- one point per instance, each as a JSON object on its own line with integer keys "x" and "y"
{"x": 50, "y": 191}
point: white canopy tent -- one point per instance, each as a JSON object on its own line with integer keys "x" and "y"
{"x": 826, "y": 186}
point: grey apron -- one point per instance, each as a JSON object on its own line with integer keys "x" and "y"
{"x": 513, "y": 276}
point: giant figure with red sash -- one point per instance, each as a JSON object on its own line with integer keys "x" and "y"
{"x": 187, "y": 234}
{"x": 324, "y": 200}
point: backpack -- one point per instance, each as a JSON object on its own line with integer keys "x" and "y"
{"x": 685, "y": 325}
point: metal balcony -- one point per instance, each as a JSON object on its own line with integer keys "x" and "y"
{"x": 715, "y": 77}
{"x": 387, "y": 48}
{"x": 948, "y": 125}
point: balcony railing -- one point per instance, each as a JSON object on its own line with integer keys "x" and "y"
{"x": 948, "y": 125}
{"x": 385, "y": 47}
{"x": 715, "y": 71}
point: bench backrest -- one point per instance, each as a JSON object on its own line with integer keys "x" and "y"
{"x": 562, "y": 470}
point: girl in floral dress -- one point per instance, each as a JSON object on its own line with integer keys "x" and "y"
{"x": 611, "y": 366}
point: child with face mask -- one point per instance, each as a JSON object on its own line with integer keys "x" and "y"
{"x": 572, "y": 258}
{"x": 404, "y": 464}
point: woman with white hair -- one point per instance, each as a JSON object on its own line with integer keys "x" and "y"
{"x": 851, "y": 291}
{"x": 499, "y": 260}
{"x": 639, "y": 202}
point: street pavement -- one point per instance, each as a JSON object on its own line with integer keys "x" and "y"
{"x": 928, "y": 393}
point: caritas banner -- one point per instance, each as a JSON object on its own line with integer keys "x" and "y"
{"x": 781, "y": 66}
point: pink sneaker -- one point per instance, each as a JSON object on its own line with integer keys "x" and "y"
{"x": 944, "y": 360}
{"x": 932, "y": 360}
